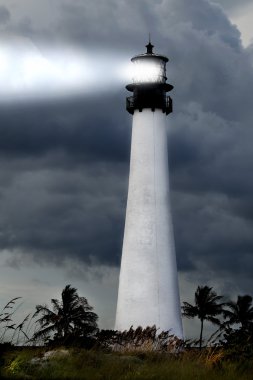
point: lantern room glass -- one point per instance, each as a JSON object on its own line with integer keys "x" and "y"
{"x": 149, "y": 70}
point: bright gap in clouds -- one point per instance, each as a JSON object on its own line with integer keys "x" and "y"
{"x": 243, "y": 20}
{"x": 28, "y": 72}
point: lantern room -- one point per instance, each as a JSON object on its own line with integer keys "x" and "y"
{"x": 149, "y": 67}
{"x": 149, "y": 85}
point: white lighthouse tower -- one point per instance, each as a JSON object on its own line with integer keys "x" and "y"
{"x": 148, "y": 285}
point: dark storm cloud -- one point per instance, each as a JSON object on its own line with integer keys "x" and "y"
{"x": 52, "y": 214}
{"x": 62, "y": 183}
{"x": 130, "y": 19}
{"x": 70, "y": 126}
{"x": 208, "y": 153}
{"x": 4, "y": 15}
{"x": 212, "y": 199}
{"x": 64, "y": 165}
{"x": 209, "y": 235}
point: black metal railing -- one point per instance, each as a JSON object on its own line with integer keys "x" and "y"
{"x": 130, "y": 104}
{"x": 169, "y": 105}
{"x": 133, "y": 103}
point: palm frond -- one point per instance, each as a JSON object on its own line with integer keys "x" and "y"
{"x": 43, "y": 332}
{"x": 189, "y": 311}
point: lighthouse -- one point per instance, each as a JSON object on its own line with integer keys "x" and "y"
{"x": 148, "y": 291}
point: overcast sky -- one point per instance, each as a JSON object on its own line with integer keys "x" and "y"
{"x": 65, "y": 143}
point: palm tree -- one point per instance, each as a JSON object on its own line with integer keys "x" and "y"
{"x": 71, "y": 317}
{"x": 241, "y": 312}
{"x": 206, "y": 308}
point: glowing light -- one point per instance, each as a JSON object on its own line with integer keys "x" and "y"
{"x": 148, "y": 71}
{"x": 28, "y": 72}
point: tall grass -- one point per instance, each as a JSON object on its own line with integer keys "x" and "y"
{"x": 99, "y": 365}
{"x": 11, "y": 332}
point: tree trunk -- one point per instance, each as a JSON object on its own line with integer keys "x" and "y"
{"x": 201, "y": 334}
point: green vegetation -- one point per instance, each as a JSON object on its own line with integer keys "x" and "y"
{"x": 209, "y": 364}
{"x": 67, "y": 344}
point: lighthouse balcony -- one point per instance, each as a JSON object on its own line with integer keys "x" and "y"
{"x": 135, "y": 103}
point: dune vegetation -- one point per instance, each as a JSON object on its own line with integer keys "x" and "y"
{"x": 64, "y": 342}
{"x": 209, "y": 364}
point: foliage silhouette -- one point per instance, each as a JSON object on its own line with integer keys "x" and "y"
{"x": 140, "y": 339}
{"x": 237, "y": 329}
{"x": 71, "y": 319}
{"x": 7, "y": 324}
{"x": 206, "y": 308}
{"x": 240, "y": 312}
